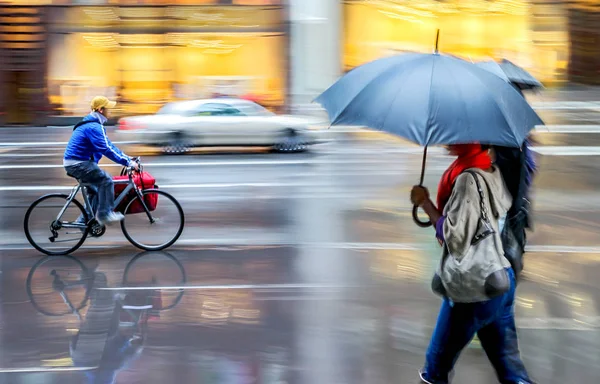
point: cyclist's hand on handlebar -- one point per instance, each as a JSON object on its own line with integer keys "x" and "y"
{"x": 134, "y": 165}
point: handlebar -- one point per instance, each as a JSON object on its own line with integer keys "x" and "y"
{"x": 130, "y": 170}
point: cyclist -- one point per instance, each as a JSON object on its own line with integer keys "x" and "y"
{"x": 86, "y": 147}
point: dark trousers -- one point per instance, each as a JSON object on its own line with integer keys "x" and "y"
{"x": 101, "y": 192}
{"x": 494, "y": 323}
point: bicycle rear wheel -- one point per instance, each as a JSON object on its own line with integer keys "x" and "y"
{"x": 164, "y": 229}
{"x": 49, "y": 235}
{"x": 51, "y": 275}
{"x": 155, "y": 271}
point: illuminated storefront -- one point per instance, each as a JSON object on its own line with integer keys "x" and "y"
{"x": 531, "y": 33}
{"x": 22, "y": 64}
{"x": 145, "y": 56}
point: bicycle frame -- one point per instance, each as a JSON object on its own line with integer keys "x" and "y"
{"x": 88, "y": 207}
{"x": 137, "y": 314}
{"x": 60, "y": 286}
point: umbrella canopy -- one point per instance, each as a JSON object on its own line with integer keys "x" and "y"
{"x": 512, "y": 73}
{"x": 519, "y": 76}
{"x": 493, "y": 67}
{"x": 431, "y": 99}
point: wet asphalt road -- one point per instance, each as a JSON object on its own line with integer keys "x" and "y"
{"x": 300, "y": 269}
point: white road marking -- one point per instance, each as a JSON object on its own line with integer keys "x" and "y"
{"x": 46, "y": 369}
{"x": 209, "y": 163}
{"x": 226, "y": 286}
{"x": 567, "y": 150}
{"x": 587, "y": 128}
{"x": 435, "y": 154}
{"x": 180, "y": 164}
{"x": 566, "y": 105}
{"x": 51, "y": 143}
{"x": 219, "y": 243}
{"x": 174, "y": 186}
{"x": 562, "y": 249}
{"x": 563, "y": 324}
{"x": 11, "y": 155}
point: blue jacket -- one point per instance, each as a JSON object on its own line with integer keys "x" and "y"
{"x": 89, "y": 142}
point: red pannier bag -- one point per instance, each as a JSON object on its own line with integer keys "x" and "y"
{"x": 143, "y": 181}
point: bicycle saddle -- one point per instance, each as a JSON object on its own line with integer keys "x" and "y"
{"x": 79, "y": 181}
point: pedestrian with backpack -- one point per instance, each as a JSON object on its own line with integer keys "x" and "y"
{"x": 474, "y": 278}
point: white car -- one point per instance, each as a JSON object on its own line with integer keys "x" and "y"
{"x": 177, "y": 127}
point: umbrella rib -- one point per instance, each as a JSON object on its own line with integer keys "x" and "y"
{"x": 465, "y": 108}
{"x": 387, "y": 115}
{"x": 427, "y": 124}
{"x": 496, "y": 104}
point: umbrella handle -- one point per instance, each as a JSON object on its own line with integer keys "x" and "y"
{"x": 415, "y": 211}
{"x": 415, "y": 215}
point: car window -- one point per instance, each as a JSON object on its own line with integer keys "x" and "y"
{"x": 214, "y": 109}
{"x": 204, "y": 110}
{"x": 220, "y": 109}
{"x": 252, "y": 109}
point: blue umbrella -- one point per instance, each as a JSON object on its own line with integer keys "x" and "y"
{"x": 512, "y": 73}
{"x": 493, "y": 67}
{"x": 431, "y": 99}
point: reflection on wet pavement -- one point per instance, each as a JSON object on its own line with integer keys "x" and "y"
{"x": 254, "y": 314}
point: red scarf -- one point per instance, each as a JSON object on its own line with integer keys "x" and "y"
{"x": 469, "y": 156}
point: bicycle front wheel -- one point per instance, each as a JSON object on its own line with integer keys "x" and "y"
{"x": 51, "y": 234}
{"x": 156, "y": 270}
{"x": 158, "y": 230}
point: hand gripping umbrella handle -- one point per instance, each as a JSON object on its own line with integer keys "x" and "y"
{"x": 415, "y": 211}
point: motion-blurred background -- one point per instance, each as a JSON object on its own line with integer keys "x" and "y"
{"x": 57, "y": 54}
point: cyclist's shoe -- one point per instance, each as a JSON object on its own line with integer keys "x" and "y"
{"x": 112, "y": 217}
{"x": 81, "y": 220}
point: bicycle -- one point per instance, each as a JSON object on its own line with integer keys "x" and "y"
{"x": 167, "y": 219}
{"x": 75, "y": 283}
{"x": 114, "y": 327}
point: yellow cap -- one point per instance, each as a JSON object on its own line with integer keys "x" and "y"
{"x": 101, "y": 102}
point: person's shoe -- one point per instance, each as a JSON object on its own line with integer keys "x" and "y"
{"x": 112, "y": 217}
{"x": 422, "y": 376}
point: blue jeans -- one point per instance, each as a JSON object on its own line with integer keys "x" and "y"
{"x": 101, "y": 192}
{"x": 494, "y": 323}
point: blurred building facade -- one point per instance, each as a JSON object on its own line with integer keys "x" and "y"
{"x": 142, "y": 52}
{"x": 532, "y": 33}
{"x": 56, "y": 54}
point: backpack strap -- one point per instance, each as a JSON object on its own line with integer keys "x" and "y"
{"x": 484, "y": 213}
{"x": 484, "y": 217}
{"x": 82, "y": 122}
